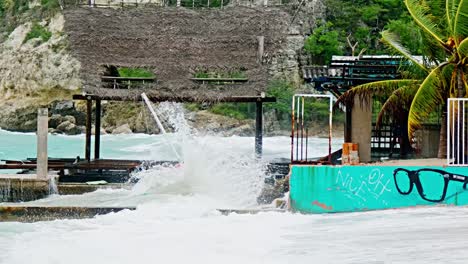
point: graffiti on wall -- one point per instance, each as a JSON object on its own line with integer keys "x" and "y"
{"x": 370, "y": 185}
{"x": 431, "y": 184}
{"x": 354, "y": 188}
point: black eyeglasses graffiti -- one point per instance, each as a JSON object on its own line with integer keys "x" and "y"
{"x": 431, "y": 183}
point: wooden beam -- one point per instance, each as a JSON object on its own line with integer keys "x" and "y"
{"x": 233, "y": 99}
{"x": 97, "y": 130}
{"x": 89, "y": 106}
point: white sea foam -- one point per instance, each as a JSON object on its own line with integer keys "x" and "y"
{"x": 176, "y": 220}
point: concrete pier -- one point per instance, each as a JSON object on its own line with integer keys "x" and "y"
{"x": 47, "y": 213}
{"x": 42, "y": 130}
{"x": 22, "y": 188}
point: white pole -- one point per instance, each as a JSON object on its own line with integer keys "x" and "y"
{"x": 42, "y": 130}
{"x": 158, "y": 122}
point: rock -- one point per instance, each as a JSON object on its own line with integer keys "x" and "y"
{"x": 109, "y": 129}
{"x": 55, "y": 120}
{"x": 123, "y": 129}
{"x": 63, "y": 126}
{"x": 60, "y": 106}
{"x": 69, "y": 128}
{"x": 93, "y": 131}
{"x": 70, "y": 118}
{"x": 82, "y": 129}
{"x": 73, "y": 129}
{"x": 243, "y": 130}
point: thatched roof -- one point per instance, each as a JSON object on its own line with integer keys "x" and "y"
{"x": 175, "y": 43}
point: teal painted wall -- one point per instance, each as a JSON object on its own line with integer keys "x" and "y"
{"x": 326, "y": 189}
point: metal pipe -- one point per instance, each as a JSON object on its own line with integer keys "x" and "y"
{"x": 307, "y": 143}
{"x": 292, "y": 128}
{"x": 330, "y": 124}
{"x": 297, "y": 131}
{"x": 158, "y": 122}
{"x": 155, "y": 116}
{"x": 448, "y": 132}
{"x": 458, "y": 132}
{"x": 463, "y": 134}
{"x": 302, "y": 128}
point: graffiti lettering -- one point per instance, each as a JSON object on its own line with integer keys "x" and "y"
{"x": 374, "y": 184}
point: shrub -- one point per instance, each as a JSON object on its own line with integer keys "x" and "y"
{"x": 135, "y": 72}
{"x": 38, "y": 31}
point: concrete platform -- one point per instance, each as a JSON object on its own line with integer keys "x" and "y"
{"x": 23, "y": 187}
{"x": 48, "y": 213}
{"x": 27, "y": 187}
{"x": 80, "y": 188}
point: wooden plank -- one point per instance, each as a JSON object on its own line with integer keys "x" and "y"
{"x": 220, "y": 79}
{"x": 233, "y": 99}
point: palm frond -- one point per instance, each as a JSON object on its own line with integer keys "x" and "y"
{"x": 393, "y": 41}
{"x": 431, "y": 93}
{"x": 460, "y": 21}
{"x": 463, "y": 48}
{"x": 419, "y": 13}
{"x": 379, "y": 88}
{"x": 450, "y": 12}
{"x": 398, "y": 103}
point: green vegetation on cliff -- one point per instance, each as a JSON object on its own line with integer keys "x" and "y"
{"x": 353, "y": 26}
{"x": 135, "y": 72}
{"x": 315, "y": 110}
{"x": 15, "y": 12}
{"x": 38, "y": 31}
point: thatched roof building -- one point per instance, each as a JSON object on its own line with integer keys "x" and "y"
{"x": 175, "y": 44}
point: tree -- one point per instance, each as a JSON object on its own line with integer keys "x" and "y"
{"x": 323, "y": 43}
{"x": 444, "y": 26}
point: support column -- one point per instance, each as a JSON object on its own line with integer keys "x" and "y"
{"x": 42, "y": 130}
{"x": 97, "y": 130}
{"x": 89, "y": 106}
{"x": 259, "y": 128}
{"x": 261, "y": 48}
{"x": 361, "y": 131}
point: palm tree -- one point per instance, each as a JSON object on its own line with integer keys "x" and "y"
{"x": 445, "y": 27}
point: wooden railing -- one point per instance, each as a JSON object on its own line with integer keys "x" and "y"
{"x": 116, "y": 82}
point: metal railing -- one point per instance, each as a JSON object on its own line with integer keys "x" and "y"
{"x": 457, "y": 132}
{"x": 299, "y": 130}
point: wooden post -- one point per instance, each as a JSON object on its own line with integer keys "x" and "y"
{"x": 259, "y": 128}
{"x": 348, "y": 124}
{"x": 97, "y": 130}
{"x": 42, "y": 130}
{"x": 261, "y": 44}
{"x": 89, "y": 105}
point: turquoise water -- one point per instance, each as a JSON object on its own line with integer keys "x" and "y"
{"x": 176, "y": 220}
{"x": 23, "y": 145}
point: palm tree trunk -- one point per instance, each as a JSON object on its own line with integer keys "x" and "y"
{"x": 442, "y": 154}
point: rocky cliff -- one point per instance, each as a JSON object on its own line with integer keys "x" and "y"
{"x": 38, "y": 71}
